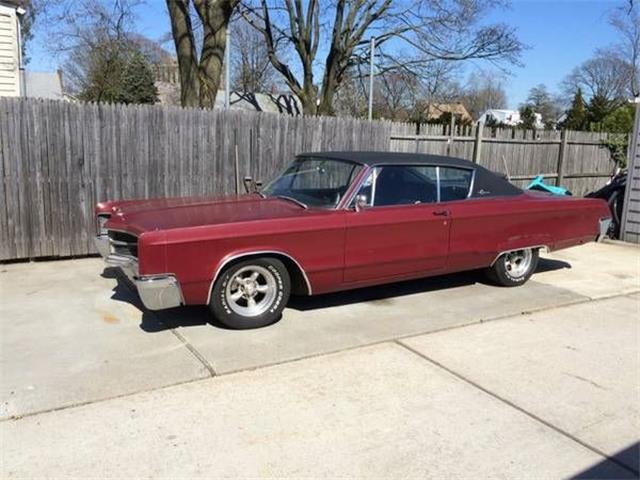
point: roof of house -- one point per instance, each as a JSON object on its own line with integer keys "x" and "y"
{"x": 435, "y": 110}
{"x": 43, "y": 85}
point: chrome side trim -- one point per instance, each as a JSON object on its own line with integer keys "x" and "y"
{"x": 472, "y": 183}
{"x": 516, "y": 249}
{"x": 251, "y": 254}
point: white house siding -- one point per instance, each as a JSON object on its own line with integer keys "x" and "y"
{"x": 9, "y": 55}
{"x": 631, "y": 213}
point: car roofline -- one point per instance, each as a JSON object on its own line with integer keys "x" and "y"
{"x": 374, "y": 158}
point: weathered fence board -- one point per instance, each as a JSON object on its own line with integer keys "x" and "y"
{"x": 582, "y": 163}
{"x": 58, "y": 159}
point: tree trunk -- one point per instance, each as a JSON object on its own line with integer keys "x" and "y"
{"x": 186, "y": 51}
{"x": 330, "y": 84}
{"x": 215, "y": 17}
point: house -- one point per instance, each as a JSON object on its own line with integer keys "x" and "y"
{"x": 11, "y": 84}
{"x": 14, "y": 80}
{"x": 510, "y": 118}
{"x": 167, "y": 81}
{"x": 433, "y": 111}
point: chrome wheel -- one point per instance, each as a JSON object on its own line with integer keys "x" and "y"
{"x": 251, "y": 291}
{"x": 518, "y": 262}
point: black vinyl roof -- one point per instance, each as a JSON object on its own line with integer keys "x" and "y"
{"x": 485, "y": 184}
{"x": 382, "y": 158}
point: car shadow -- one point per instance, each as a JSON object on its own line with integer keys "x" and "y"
{"x": 550, "y": 264}
{"x": 628, "y": 458}
{"x": 160, "y": 320}
{"x": 190, "y": 316}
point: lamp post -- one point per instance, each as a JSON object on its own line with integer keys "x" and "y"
{"x": 373, "y": 47}
{"x": 227, "y": 69}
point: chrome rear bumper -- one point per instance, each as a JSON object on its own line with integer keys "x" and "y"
{"x": 157, "y": 292}
{"x": 603, "y": 228}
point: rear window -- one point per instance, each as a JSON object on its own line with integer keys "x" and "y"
{"x": 455, "y": 183}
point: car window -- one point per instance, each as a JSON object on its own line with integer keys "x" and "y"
{"x": 454, "y": 183}
{"x": 400, "y": 185}
{"x": 318, "y": 182}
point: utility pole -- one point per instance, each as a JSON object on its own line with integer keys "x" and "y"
{"x": 227, "y": 70}
{"x": 373, "y": 47}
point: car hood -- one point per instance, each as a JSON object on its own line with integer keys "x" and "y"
{"x": 141, "y": 216}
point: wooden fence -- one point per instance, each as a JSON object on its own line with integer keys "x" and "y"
{"x": 58, "y": 159}
{"x": 578, "y": 161}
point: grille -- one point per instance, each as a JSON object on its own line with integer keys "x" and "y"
{"x": 123, "y": 243}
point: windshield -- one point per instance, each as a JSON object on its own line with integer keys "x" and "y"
{"x": 317, "y": 182}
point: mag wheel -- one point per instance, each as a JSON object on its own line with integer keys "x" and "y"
{"x": 514, "y": 268}
{"x": 251, "y": 293}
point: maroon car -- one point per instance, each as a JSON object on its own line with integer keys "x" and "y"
{"x": 334, "y": 221}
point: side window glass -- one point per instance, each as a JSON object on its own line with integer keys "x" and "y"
{"x": 400, "y": 185}
{"x": 454, "y": 183}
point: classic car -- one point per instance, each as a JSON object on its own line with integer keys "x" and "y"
{"x": 333, "y": 221}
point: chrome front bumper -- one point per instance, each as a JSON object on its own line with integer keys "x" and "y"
{"x": 603, "y": 228}
{"x": 157, "y": 292}
{"x": 102, "y": 245}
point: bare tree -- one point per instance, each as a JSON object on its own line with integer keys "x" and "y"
{"x": 251, "y": 69}
{"x": 545, "y": 103}
{"x": 484, "y": 91}
{"x": 94, "y": 39}
{"x": 605, "y": 76}
{"x": 397, "y": 95}
{"x": 627, "y": 22}
{"x": 200, "y": 66}
{"x": 429, "y": 29}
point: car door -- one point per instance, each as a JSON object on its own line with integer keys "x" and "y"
{"x": 476, "y": 223}
{"x": 401, "y": 231}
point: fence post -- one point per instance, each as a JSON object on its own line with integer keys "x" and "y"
{"x": 452, "y": 127}
{"x": 561, "y": 156}
{"x": 477, "y": 144}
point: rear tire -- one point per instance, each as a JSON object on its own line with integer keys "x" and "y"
{"x": 514, "y": 268}
{"x": 251, "y": 293}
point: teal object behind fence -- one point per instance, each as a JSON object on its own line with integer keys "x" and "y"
{"x": 538, "y": 184}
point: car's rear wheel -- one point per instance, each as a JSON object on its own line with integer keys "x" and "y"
{"x": 251, "y": 293}
{"x": 514, "y": 268}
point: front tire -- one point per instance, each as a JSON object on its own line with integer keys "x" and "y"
{"x": 251, "y": 293}
{"x": 514, "y": 268}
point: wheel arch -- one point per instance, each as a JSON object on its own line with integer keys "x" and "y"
{"x": 300, "y": 283}
{"x": 532, "y": 247}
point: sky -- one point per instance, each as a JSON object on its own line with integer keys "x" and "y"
{"x": 560, "y": 34}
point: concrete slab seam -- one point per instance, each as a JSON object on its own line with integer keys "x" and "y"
{"x": 212, "y": 372}
{"x": 517, "y": 407}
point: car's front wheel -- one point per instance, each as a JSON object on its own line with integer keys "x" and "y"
{"x": 514, "y": 268}
{"x": 251, "y": 293}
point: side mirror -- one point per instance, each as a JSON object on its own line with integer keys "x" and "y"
{"x": 251, "y": 185}
{"x": 361, "y": 202}
{"x": 248, "y": 184}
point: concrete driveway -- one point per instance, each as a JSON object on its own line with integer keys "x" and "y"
{"x": 439, "y": 377}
